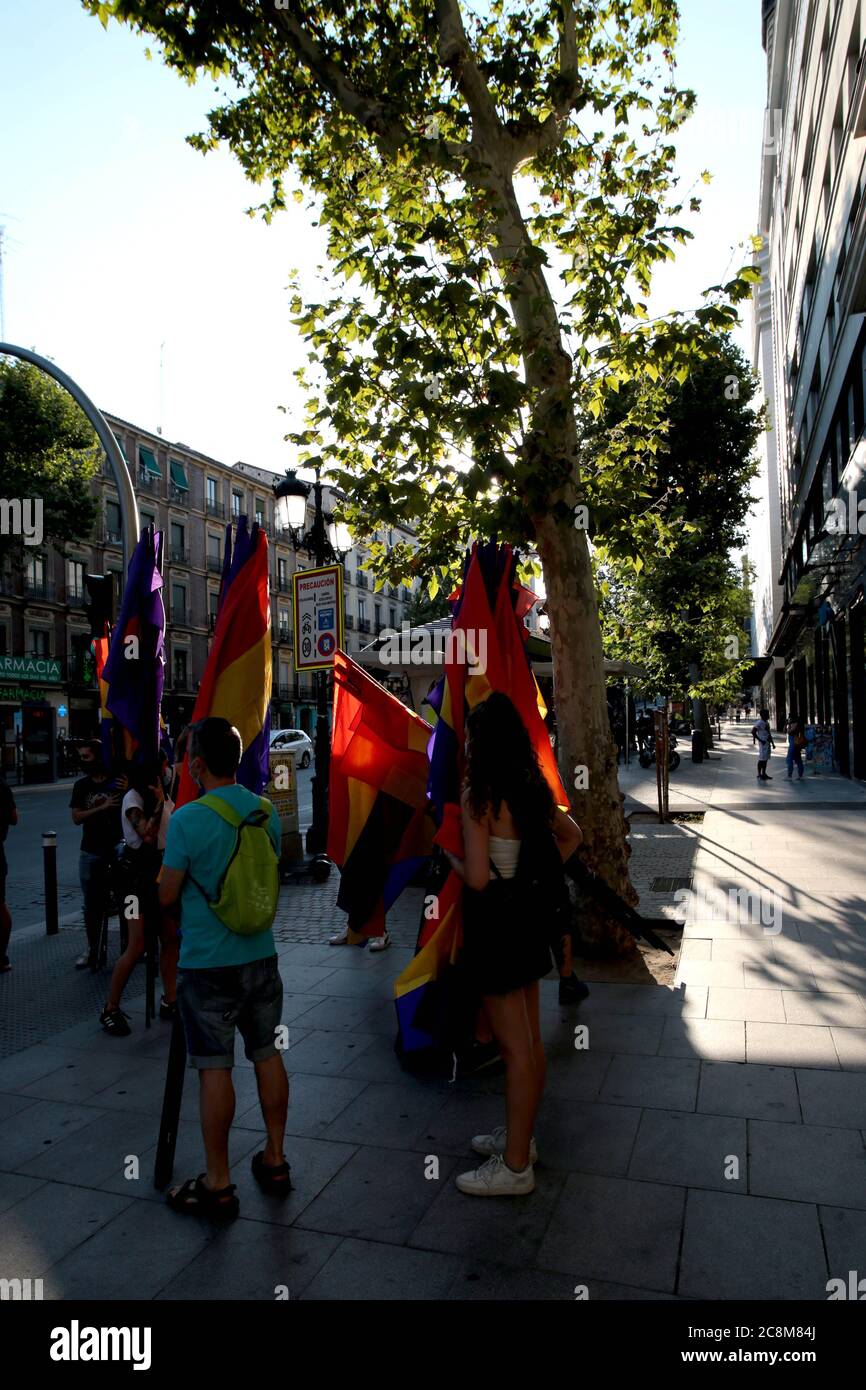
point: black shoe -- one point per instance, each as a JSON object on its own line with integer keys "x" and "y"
{"x": 115, "y": 1022}
{"x": 572, "y": 990}
{"x": 167, "y": 1010}
{"x": 766, "y": 778}
{"x": 84, "y": 962}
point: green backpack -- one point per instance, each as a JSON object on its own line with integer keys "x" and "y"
{"x": 248, "y": 889}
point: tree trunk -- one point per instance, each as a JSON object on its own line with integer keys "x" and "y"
{"x": 582, "y": 720}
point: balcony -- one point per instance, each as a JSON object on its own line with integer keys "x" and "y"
{"x": 284, "y": 692}
{"x": 283, "y": 584}
{"x": 9, "y": 585}
{"x": 180, "y": 681}
{"x": 215, "y": 508}
{"x": 214, "y": 564}
{"x": 148, "y": 482}
{"x": 75, "y": 597}
{"x": 363, "y": 582}
{"x": 283, "y": 636}
{"x": 38, "y": 589}
{"x": 108, "y": 535}
{"x": 363, "y": 624}
{"x": 178, "y": 555}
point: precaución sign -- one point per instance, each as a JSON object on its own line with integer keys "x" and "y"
{"x": 318, "y": 617}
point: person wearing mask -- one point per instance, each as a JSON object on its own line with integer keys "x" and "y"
{"x": 95, "y": 806}
{"x": 145, "y": 814}
{"x": 8, "y": 817}
{"x": 512, "y": 830}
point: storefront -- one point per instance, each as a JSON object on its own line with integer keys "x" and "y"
{"x": 32, "y": 709}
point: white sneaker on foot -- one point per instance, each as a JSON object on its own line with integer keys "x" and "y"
{"x": 341, "y": 939}
{"x": 495, "y": 1179}
{"x": 495, "y": 1144}
{"x": 379, "y": 943}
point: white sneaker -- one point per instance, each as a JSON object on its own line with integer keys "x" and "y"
{"x": 495, "y": 1179}
{"x": 495, "y": 1144}
{"x": 341, "y": 939}
{"x": 379, "y": 943}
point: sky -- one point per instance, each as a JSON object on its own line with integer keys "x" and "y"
{"x": 129, "y": 259}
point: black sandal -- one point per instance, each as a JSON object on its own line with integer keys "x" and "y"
{"x": 277, "y": 1182}
{"x": 193, "y": 1197}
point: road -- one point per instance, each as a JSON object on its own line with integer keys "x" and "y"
{"x": 47, "y": 808}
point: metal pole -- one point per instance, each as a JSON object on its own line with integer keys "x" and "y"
{"x": 171, "y": 1103}
{"x": 49, "y": 873}
{"x": 125, "y": 489}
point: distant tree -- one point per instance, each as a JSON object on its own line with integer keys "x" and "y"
{"x": 48, "y": 451}
{"x": 682, "y": 610}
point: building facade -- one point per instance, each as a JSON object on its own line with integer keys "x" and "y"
{"x": 810, "y": 350}
{"x": 47, "y": 680}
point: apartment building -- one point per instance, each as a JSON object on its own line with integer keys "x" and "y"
{"x": 47, "y": 681}
{"x": 810, "y": 349}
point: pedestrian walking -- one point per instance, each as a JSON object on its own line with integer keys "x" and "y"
{"x": 95, "y": 806}
{"x": 515, "y": 902}
{"x": 8, "y": 817}
{"x": 145, "y": 815}
{"x": 763, "y": 741}
{"x": 221, "y": 867}
{"x": 796, "y": 744}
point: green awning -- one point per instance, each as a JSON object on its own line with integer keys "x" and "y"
{"x": 178, "y": 477}
{"x": 148, "y": 462}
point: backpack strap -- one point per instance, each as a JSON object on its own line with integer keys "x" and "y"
{"x": 233, "y": 818}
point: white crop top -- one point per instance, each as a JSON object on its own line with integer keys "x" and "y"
{"x": 504, "y": 852}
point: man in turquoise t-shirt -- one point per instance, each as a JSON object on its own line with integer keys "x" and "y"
{"x": 226, "y": 980}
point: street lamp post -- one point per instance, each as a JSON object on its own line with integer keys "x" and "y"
{"x": 327, "y": 541}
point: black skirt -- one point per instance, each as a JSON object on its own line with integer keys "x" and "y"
{"x": 506, "y": 945}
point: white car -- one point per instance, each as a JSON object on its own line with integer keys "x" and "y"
{"x": 293, "y": 741}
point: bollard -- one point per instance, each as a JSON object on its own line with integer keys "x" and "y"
{"x": 49, "y": 872}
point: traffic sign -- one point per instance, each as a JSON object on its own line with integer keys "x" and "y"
{"x": 318, "y": 616}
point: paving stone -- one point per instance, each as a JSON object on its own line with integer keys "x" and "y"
{"x": 478, "y": 1281}
{"x": 757, "y": 1005}
{"x": 365, "y": 1270}
{"x": 665, "y": 1083}
{"x": 807, "y": 1163}
{"x": 842, "y": 1009}
{"x": 851, "y": 1047}
{"x": 710, "y": 972}
{"x": 296, "y": 1005}
{"x": 11, "y": 1105}
{"x": 22, "y": 1068}
{"x": 95, "y": 1152}
{"x": 357, "y": 984}
{"x": 335, "y": 1015}
{"x": 314, "y": 1101}
{"x": 587, "y": 1138}
{"x": 393, "y": 1116}
{"x": 579, "y": 1076}
{"x": 303, "y": 979}
{"x": 378, "y": 1194}
{"x": 645, "y": 999}
{"x": 753, "y": 1091}
{"x": 143, "y": 1248}
{"x": 689, "y": 1150}
{"x": 249, "y": 1260}
{"x": 615, "y": 1229}
{"x": 26, "y": 1135}
{"x": 40, "y": 1229}
{"x": 622, "y": 1033}
{"x": 79, "y": 1080}
{"x": 188, "y": 1159}
{"x": 845, "y": 1239}
{"x": 314, "y": 1162}
{"x": 787, "y": 1044}
{"x": 508, "y": 1232}
{"x": 14, "y": 1187}
{"x": 747, "y": 1247}
{"x": 140, "y": 1087}
{"x": 327, "y": 1054}
{"x": 718, "y": 1040}
{"x": 833, "y": 1098}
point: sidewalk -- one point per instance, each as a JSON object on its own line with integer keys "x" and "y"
{"x": 708, "y": 1143}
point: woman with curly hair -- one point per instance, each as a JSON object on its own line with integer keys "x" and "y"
{"x": 515, "y": 841}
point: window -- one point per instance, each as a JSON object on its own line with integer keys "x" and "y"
{"x": 180, "y": 668}
{"x": 213, "y": 599}
{"x": 40, "y": 642}
{"x": 237, "y": 503}
{"x": 178, "y": 542}
{"x": 35, "y": 573}
{"x": 377, "y": 615}
{"x": 74, "y": 580}
{"x": 112, "y": 521}
{"x": 4, "y": 640}
{"x": 392, "y": 617}
{"x": 211, "y": 492}
{"x": 282, "y": 575}
{"x": 285, "y": 677}
{"x": 362, "y": 610}
{"x": 284, "y": 622}
{"x": 179, "y": 483}
{"x": 260, "y": 511}
{"x": 178, "y": 603}
{"x": 214, "y": 561}
{"x": 147, "y": 518}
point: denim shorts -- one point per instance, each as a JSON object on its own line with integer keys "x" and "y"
{"x": 94, "y": 874}
{"x": 213, "y": 1003}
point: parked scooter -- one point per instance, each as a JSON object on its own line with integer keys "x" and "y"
{"x": 647, "y": 752}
